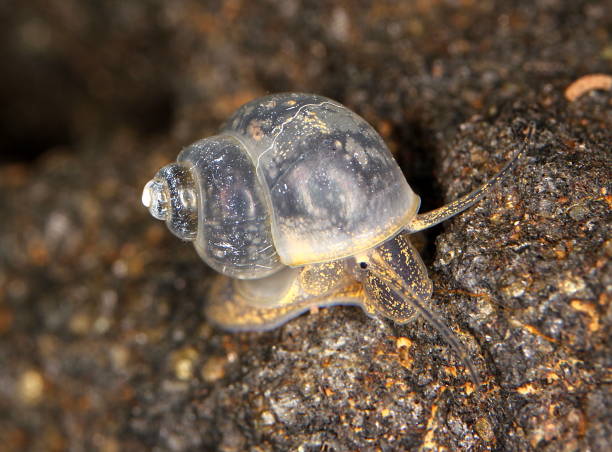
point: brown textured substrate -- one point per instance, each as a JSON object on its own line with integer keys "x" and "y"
{"x": 103, "y": 343}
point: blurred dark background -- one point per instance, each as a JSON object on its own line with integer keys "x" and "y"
{"x": 71, "y": 68}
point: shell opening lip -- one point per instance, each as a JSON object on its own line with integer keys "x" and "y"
{"x": 299, "y": 260}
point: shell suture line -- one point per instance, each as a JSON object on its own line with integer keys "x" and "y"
{"x": 282, "y": 126}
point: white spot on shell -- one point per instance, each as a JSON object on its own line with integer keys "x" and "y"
{"x": 146, "y": 195}
{"x": 357, "y": 151}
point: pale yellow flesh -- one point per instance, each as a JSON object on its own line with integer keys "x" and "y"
{"x": 432, "y": 218}
{"x": 231, "y": 310}
{"x": 392, "y": 283}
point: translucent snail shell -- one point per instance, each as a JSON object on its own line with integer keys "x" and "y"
{"x": 299, "y": 203}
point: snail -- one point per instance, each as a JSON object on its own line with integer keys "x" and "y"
{"x": 298, "y": 203}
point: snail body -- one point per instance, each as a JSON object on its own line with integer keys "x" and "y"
{"x": 299, "y": 203}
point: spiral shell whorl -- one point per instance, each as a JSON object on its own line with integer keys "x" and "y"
{"x": 172, "y": 196}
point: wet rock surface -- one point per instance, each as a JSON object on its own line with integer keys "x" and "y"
{"x": 103, "y": 344}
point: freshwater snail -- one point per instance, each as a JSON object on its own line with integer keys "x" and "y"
{"x": 299, "y": 203}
